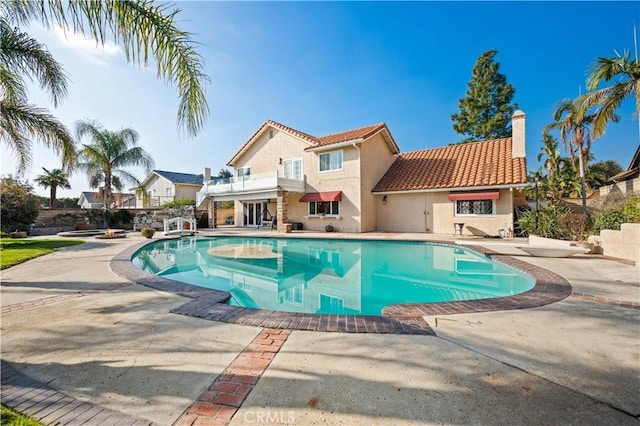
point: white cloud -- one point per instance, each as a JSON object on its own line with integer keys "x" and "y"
{"x": 88, "y": 48}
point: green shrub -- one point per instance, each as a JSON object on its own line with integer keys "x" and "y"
{"x": 178, "y": 202}
{"x": 147, "y": 232}
{"x": 626, "y": 212}
{"x": 19, "y": 205}
{"x": 548, "y": 221}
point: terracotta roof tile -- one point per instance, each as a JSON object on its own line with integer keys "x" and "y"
{"x": 456, "y": 166}
{"x": 349, "y": 135}
{"x": 359, "y": 133}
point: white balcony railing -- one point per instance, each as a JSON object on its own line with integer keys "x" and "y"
{"x": 248, "y": 184}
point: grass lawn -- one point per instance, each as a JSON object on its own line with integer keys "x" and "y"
{"x": 18, "y": 250}
{"x": 9, "y": 417}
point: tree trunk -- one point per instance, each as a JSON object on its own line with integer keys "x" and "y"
{"x": 52, "y": 201}
{"x": 583, "y": 189}
{"x": 107, "y": 192}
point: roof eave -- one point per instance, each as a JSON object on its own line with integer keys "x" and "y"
{"x": 332, "y": 146}
{"x": 148, "y": 178}
{"x": 455, "y": 188}
{"x": 395, "y": 149}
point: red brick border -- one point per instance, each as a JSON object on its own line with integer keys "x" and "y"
{"x": 397, "y": 319}
{"x": 605, "y": 300}
{"x": 220, "y": 401}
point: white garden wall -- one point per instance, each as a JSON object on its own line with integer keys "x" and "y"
{"x": 623, "y": 244}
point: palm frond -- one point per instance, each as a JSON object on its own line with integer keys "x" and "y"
{"x": 23, "y": 55}
{"x": 144, "y": 29}
{"x": 12, "y": 87}
{"x": 18, "y": 119}
{"x": 605, "y": 69}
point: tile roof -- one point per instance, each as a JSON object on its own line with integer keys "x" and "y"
{"x": 185, "y": 178}
{"x": 349, "y": 135}
{"x": 487, "y": 163}
{"x": 316, "y": 142}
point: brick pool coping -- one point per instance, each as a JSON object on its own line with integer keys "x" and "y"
{"x": 395, "y": 319}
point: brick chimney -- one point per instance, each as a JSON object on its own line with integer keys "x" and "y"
{"x": 207, "y": 174}
{"x": 517, "y": 134}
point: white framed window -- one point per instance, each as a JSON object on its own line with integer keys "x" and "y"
{"x": 293, "y": 168}
{"x": 244, "y": 172}
{"x": 294, "y": 295}
{"x": 324, "y": 208}
{"x": 169, "y": 192}
{"x": 331, "y": 161}
{"x": 475, "y": 207}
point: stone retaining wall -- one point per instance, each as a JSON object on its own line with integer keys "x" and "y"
{"x": 155, "y": 219}
{"x": 57, "y": 218}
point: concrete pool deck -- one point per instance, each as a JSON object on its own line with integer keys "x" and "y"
{"x": 71, "y": 323}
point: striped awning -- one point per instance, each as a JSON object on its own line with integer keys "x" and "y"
{"x": 321, "y": 196}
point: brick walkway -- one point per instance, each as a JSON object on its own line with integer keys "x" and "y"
{"x": 58, "y": 298}
{"x": 218, "y": 404}
{"x": 49, "y": 406}
{"x": 215, "y": 406}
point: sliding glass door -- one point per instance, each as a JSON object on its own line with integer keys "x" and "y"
{"x": 253, "y": 211}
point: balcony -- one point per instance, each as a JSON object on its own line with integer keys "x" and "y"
{"x": 235, "y": 187}
{"x": 157, "y": 201}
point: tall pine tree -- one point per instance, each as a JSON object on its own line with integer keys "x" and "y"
{"x": 486, "y": 112}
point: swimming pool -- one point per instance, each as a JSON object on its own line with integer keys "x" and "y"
{"x": 320, "y": 276}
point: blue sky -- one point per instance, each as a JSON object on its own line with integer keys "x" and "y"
{"x": 327, "y": 67}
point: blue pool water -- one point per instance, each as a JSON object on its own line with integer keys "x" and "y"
{"x": 331, "y": 276}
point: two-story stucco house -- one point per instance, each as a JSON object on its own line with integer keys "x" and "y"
{"x": 358, "y": 181}
{"x": 162, "y": 187}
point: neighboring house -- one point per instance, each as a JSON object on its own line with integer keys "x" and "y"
{"x": 358, "y": 181}
{"x": 627, "y": 181}
{"x": 163, "y": 187}
{"x": 88, "y": 200}
{"x": 93, "y": 200}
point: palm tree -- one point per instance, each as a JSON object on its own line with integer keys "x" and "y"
{"x": 104, "y": 159}
{"x": 20, "y": 122}
{"x": 574, "y": 124}
{"x": 53, "y": 179}
{"x": 143, "y": 28}
{"x": 607, "y": 100}
{"x": 550, "y": 150}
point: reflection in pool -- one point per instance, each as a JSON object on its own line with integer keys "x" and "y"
{"x": 331, "y": 276}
